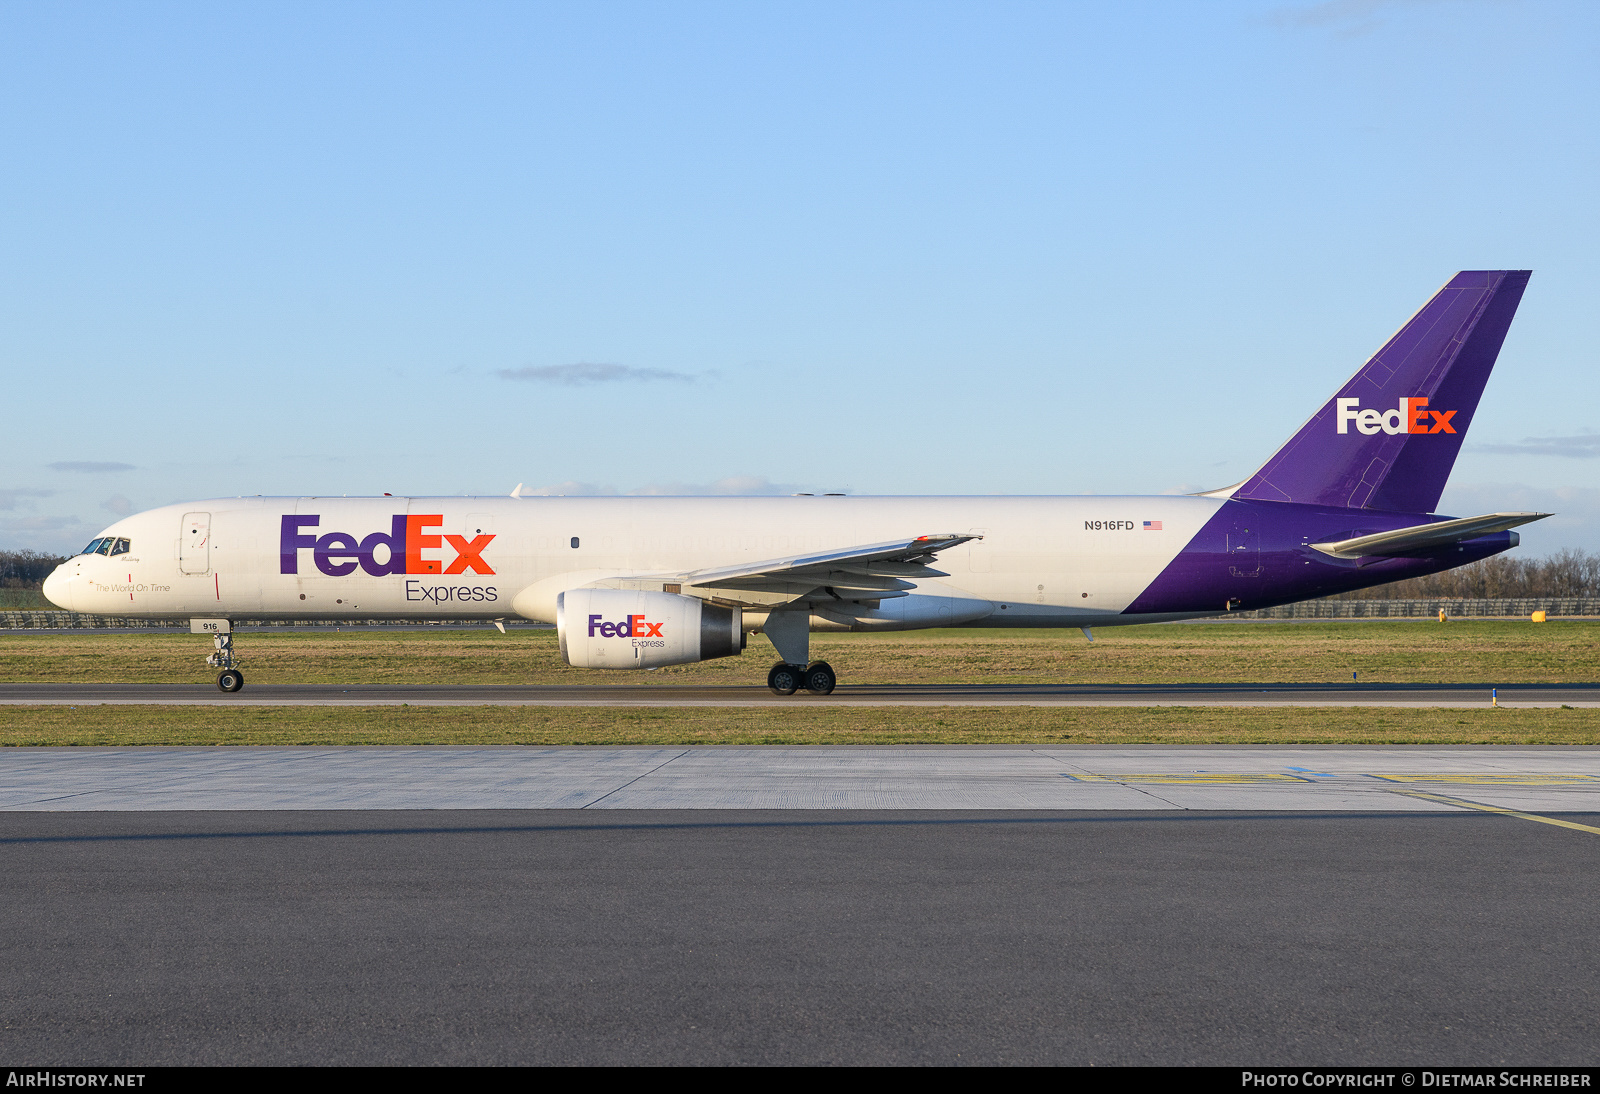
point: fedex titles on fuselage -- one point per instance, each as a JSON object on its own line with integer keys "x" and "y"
{"x": 337, "y": 554}
{"x": 1411, "y": 416}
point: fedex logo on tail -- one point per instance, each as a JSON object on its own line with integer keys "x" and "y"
{"x": 635, "y": 627}
{"x": 1411, "y": 416}
{"x": 339, "y": 553}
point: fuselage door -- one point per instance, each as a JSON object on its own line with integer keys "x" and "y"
{"x": 194, "y": 543}
{"x": 1244, "y": 553}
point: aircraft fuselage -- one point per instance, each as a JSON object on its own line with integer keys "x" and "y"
{"x": 1041, "y": 561}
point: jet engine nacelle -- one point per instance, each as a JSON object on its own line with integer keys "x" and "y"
{"x": 631, "y": 629}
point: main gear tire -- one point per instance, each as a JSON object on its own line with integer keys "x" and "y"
{"x": 819, "y": 678}
{"x": 784, "y": 679}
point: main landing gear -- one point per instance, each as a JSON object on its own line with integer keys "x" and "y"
{"x": 230, "y": 679}
{"x": 817, "y": 678}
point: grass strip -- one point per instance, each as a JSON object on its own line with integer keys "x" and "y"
{"x": 812, "y": 725}
{"x": 1476, "y": 651}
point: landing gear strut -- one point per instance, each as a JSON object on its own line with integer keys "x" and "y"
{"x": 230, "y": 679}
{"x": 790, "y": 633}
{"x": 818, "y": 678}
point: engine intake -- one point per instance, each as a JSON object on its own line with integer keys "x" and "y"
{"x": 629, "y": 629}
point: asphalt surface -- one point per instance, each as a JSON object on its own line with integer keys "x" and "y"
{"x": 768, "y": 937}
{"x": 1340, "y": 694}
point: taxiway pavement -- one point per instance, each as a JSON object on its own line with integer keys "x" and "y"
{"x": 624, "y": 695}
{"x": 1324, "y": 779}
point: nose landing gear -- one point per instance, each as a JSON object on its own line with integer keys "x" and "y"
{"x": 230, "y": 679}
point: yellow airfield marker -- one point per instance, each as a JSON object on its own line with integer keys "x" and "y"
{"x": 1463, "y": 803}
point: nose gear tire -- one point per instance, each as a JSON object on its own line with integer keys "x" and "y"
{"x": 230, "y": 680}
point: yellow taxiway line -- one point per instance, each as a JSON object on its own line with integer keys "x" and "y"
{"x": 1207, "y": 778}
{"x": 1463, "y": 803}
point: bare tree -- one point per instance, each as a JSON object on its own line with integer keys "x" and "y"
{"x": 1568, "y": 572}
{"x": 26, "y": 569}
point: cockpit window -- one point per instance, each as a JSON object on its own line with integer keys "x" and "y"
{"x": 105, "y": 546}
{"x": 94, "y": 546}
{"x": 121, "y": 546}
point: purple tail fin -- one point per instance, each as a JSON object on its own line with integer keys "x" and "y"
{"x": 1388, "y": 439}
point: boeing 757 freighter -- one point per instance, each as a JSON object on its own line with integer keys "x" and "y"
{"x": 637, "y": 583}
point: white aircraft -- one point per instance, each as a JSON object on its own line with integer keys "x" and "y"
{"x": 635, "y": 583}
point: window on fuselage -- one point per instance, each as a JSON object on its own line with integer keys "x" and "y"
{"x": 121, "y": 547}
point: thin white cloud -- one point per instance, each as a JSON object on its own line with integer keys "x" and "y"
{"x": 90, "y": 467}
{"x": 583, "y": 374}
{"x": 1576, "y": 522}
{"x": 56, "y": 535}
{"x": 10, "y": 499}
{"x": 117, "y": 504}
{"x": 43, "y": 524}
{"x": 1583, "y": 446}
{"x": 728, "y": 486}
{"x": 570, "y": 489}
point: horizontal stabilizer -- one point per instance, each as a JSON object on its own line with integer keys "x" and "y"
{"x": 1425, "y": 537}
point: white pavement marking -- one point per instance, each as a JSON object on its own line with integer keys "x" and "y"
{"x": 977, "y": 777}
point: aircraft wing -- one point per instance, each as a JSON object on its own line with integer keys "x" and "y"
{"x": 873, "y": 571}
{"x": 1425, "y": 537}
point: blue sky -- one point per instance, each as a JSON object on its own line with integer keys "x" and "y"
{"x": 885, "y": 248}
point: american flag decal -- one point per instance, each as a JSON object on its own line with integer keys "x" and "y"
{"x": 1152, "y": 526}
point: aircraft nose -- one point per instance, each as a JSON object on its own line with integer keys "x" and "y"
{"x": 58, "y": 587}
